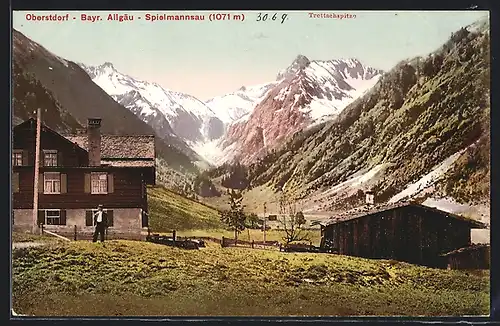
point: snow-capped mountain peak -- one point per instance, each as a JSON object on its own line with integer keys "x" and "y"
{"x": 108, "y": 64}
{"x": 307, "y": 92}
{"x": 189, "y": 117}
{"x": 300, "y": 63}
{"x": 323, "y": 88}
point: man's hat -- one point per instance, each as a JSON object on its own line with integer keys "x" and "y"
{"x": 99, "y": 206}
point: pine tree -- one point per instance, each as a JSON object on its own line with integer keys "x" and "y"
{"x": 234, "y": 217}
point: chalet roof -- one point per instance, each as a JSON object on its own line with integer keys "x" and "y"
{"x": 367, "y": 210}
{"x": 465, "y": 249}
{"x": 32, "y": 122}
{"x": 120, "y": 147}
{"x": 116, "y": 150}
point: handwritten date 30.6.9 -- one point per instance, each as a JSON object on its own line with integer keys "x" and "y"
{"x": 272, "y": 17}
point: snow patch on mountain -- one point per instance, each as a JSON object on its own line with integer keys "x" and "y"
{"x": 209, "y": 150}
{"x": 450, "y": 205}
{"x": 359, "y": 180}
{"x": 238, "y": 105}
{"x": 429, "y": 179}
{"x": 353, "y": 86}
{"x": 369, "y": 177}
{"x": 319, "y": 108}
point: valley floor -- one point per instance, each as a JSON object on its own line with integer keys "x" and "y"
{"x": 139, "y": 278}
{"x": 248, "y": 235}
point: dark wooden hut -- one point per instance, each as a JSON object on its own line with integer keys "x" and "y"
{"x": 273, "y": 217}
{"x": 471, "y": 257}
{"x": 407, "y": 232}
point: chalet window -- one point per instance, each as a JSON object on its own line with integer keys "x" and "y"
{"x": 99, "y": 182}
{"x": 52, "y": 216}
{"x": 49, "y": 157}
{"x": 89, "y": 217}
{"x": 17, "y": 158}
{"x": 51, "y": 183}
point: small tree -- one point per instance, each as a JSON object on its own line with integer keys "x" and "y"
{"x": 252, "y": 220}
{"x": 300, "y": 218}
{"x": 292, "y": 222}
{"x": 293, "y": 225}
{"x": 234, "y": 217}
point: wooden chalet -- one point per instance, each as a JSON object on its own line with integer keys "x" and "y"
{"x": 471, "y": 257}
{"x": 77, "y": 173}
{"x": 405, "y": 231}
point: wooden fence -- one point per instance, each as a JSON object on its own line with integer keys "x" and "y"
{"x": 272, "y": 245}
{"x": 212, "y": 239}
{"x": 227, "y": 242}
{"x": 224, "y": 242}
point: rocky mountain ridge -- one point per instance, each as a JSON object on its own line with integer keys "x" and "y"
{"x": 307, "y": 93}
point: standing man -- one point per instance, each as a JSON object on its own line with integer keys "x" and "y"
{"x": 100, "y": 222}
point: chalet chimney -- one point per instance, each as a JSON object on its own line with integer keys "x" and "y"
{"x": 370, "y": 197}
{"x": 94, "y": 140}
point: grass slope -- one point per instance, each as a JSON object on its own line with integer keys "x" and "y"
{"x": 140, "y": 278}
{"x": 253, "y": 199}
{"x": 170, "y": 211}
{"x": 18, "y": 237}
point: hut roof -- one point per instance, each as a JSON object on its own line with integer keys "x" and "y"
{"x": 370, "y": 210}
{"x": 466, "y": 249}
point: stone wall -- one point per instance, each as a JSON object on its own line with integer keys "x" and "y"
{"x": 127, "y": 224}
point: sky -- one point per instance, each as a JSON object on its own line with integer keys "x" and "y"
{"x": 211, "y": 58}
